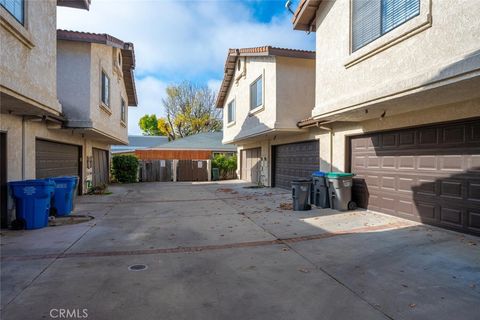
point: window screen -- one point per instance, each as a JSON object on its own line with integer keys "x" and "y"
{"x": 15, "y": 7}
{"x": 105, "y": 89}
{"x": 123, "y": 110}
{"x": 373, "y": 18}
{"x": 231, "y": 111}
{"x": 256, "y": 94}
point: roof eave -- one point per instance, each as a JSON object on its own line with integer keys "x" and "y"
{"x": 77, "y": 4}
{"x": 304, "y": 16}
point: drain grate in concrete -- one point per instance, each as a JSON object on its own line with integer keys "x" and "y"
{"x": 137, "y": 267}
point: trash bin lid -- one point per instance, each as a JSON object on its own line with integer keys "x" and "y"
{"x": 318, "y": 174}
{"x": 336, "y": 175}
{"x": 33, "y": 182}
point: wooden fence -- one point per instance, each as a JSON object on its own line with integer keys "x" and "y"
{"x": 155, "y": 170}
{"x": 192, "y": 170}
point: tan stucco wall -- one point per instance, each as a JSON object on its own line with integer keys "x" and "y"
{"x": 446, "y": 44}
{"x": 245, "y": 122}
{"x": 13, "y": 126}
{"x": 295, "y": 80}
{"x": 73, "y": 81}
{"x": 341, "y": 131}
{"x": 102, "y": 59}
{"x": 288, "y": 95}
{"x": 31, "y": 72}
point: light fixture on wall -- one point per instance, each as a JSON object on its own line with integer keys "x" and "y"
{"x": 383, "y": 115}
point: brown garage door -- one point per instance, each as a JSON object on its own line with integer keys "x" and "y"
{"x": 100, "y": 174}
{"x": 293, "y": 161}
{"x": 250, "y": 164}
{"x": 429, "y": 174}
{"x": 53, "y": 159}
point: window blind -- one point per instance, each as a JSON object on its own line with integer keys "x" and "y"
{"x": 366, "y": 20}
{"x": 373, "y": 18}
{"x": 396, "y": 12}
{"x": 15, "y": 7}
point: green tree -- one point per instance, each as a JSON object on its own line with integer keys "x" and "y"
{"x": 189, "y": 109}
{"x": 149, "y": 125}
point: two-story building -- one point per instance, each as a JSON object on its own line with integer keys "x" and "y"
{"x": 51, "y": 130}
{"x": 397, "y": 90}
{"x": 264, "y": 93}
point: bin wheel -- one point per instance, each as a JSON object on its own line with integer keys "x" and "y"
{"x": 18, "y": 224}
{"x": 352, "y": 205}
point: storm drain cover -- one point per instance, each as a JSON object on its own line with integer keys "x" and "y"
{"x": 137, "y": 267}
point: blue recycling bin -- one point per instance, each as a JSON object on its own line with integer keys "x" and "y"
{"x": 32, "y": 201}
{"x": 64, "y": 194}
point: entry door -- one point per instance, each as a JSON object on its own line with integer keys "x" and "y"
{"x": 100, "y": 167}
{"x": 3, "y": 179}
{"x": 250, "y": 165}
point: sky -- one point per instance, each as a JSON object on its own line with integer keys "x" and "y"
{"x": 179, "y": 40}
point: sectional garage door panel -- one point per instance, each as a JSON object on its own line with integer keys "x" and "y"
{"x": 428, "y": 174}
{"x": 250, "y": 164}
{"x": 295, "y": 160}
{"x": 53, "y": 159}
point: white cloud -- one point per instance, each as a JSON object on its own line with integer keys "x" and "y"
{"x": 151, "y": 91}
{"x": 214, "y": 84}
{"x": 178, "y": 40}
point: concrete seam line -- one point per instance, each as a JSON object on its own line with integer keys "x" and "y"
{"x": 338, "y": 280}
{"x": 54, "y": 258}
{"x": 193, "y": 249}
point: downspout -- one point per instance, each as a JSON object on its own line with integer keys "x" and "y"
{"x": 24, "y": 150}
{"x": 330, "y": 137}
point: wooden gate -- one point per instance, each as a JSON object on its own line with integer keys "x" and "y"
{"x": 155, "y": 170}
{"x": 192, "y": 170}
{"x": 100, "y": 167}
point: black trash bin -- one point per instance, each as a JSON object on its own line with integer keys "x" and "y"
{"x": 301, "y": 194}
{"x": 319, "y": 192}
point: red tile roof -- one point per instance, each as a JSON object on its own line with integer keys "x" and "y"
{"x": 234, "y": 54}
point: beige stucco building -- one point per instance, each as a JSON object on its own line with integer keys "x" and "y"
{"x": 265, "y": 92}
{"x": 396, "y": 102}
{"x": 58, "y": 114}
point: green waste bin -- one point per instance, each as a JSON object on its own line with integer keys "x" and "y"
{"x": 340, "y": 190}
{"x": 215, "y": 174}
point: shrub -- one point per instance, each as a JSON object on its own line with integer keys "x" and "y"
{"x": 124, "y": 168}
{"x": 226, "y": 164}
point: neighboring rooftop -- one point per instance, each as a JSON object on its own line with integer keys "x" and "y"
{"x": 140, "y": 142}
{"x": 234, "y": 54}
{"x": 211, "y": 141}
{"x": 128, "y": 55}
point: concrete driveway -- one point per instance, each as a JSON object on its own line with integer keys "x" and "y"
{"x": 221, "y": 251}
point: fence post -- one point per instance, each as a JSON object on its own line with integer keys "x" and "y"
{"x": 209, "y": 169}
{"x": 174, "y": 170}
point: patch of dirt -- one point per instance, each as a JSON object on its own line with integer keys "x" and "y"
{"x": 227, "y": 190}
{"x": 286, "y": 206}
{"x": 67, "y": 220}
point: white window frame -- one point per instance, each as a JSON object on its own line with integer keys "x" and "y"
{"x": 408, "y": 29}
{"x": 102, "y": 87}
{"x": 232, "y": 112}
{"x": 262, "y": 103}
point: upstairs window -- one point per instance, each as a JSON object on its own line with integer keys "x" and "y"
{"x": 256, "y": 94}
{"x": 231, "y": 111}
{"x": 122, "y": 110}
{"x": 371, "y": 19}
{"x": 15, "y": 7}
{"x": 105, "y": 89}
